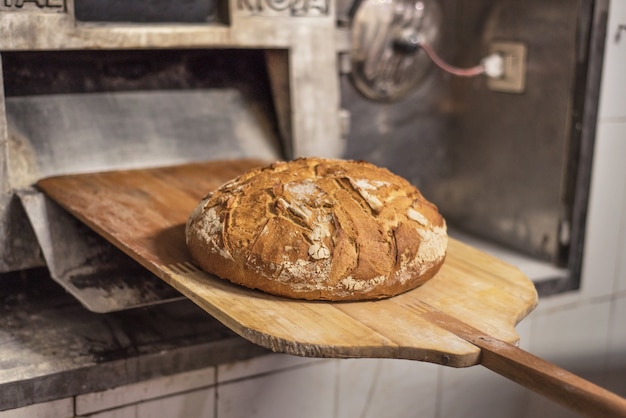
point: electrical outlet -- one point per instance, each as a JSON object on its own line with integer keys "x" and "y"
{"x": 513, "y": 79}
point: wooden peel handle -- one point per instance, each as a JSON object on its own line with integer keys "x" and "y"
{"x": 549, "y": 380}
{"x": 535, "y": 373}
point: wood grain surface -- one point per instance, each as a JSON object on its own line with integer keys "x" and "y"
{"x": 465, "y": 315}
{"x": 143, "y": 212}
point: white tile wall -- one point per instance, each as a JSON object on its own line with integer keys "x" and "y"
{"x": 61, "y": 408}
{"x": 620, "y": 284}
{"x": 616, "y": 378}
{"x": 612, "y": 129}
{"x": 150, "y": 389}
{"x": 575, "y": 338}
{"x": 196, "y": 404}
{"x": 477, "y": 392}
{"x": 612, "y": 114}
{"x": 129, "y": 411}
{"x": 386, "y": 388}
{"x": 604, "y": 242}
{"x": 613, "y": 99}
{"x": 306, "y": 391}
{"x": 260, "y": 365}
{"x": 539, "y": 406}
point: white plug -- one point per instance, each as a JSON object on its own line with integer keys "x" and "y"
{"x": 494, "y": 65}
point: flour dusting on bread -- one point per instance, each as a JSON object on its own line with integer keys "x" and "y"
{"x": 319, "y": 229}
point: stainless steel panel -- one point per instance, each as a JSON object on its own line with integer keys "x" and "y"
{"x": 96, "y": 273}
{"x": 497, "y": 164}
{"x": 72, "y": 133}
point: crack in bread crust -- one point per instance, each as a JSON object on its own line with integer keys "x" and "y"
{"x": 319, "y": 229}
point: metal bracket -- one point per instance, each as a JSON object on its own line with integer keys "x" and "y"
{"x": 96, "y": 273}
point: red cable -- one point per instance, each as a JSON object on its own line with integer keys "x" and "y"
{"x": 461, "y": 72}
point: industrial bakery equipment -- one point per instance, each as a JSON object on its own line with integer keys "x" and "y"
{"x": 96, "y": 86}
{"x": 83, "y": 91}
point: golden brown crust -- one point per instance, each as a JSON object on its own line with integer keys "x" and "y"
{"x": 319, "y": 229}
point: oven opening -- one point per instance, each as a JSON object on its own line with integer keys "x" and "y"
{"x": 71, "y": 112}
{"x": 78, "y": 111}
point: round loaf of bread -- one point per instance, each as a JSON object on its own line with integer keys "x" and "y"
{"x": 319, "y": 229}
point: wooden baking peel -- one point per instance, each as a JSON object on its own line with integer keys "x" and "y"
{"x": 465, "y": 315}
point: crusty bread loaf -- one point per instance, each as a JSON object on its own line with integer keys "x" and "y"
{"x": 319, "y": 229}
